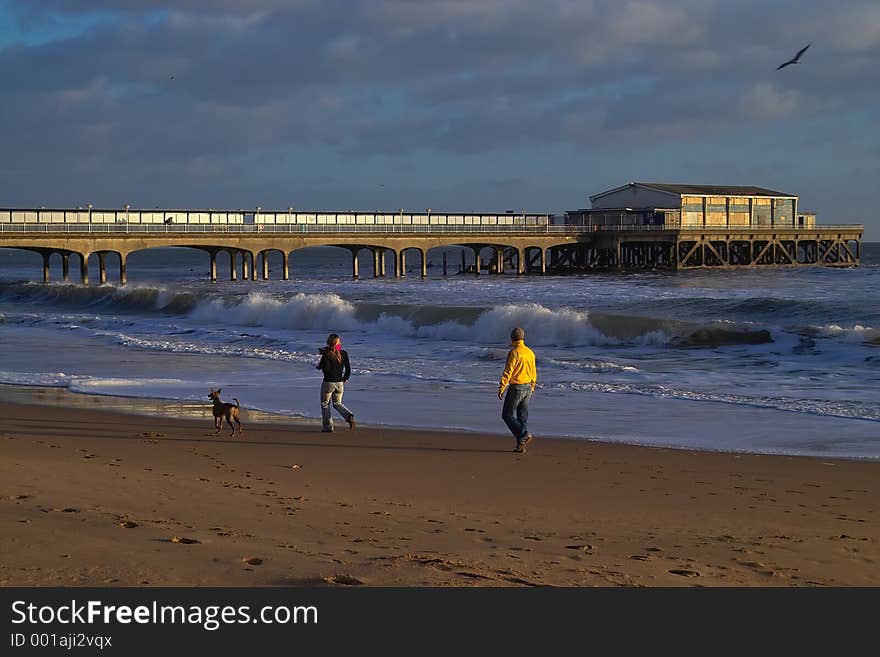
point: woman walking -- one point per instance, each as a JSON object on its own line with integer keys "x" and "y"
{"x": 337, "y": 369}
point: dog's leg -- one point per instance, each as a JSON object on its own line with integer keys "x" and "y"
{"x": 238, "y": 422}
{"x": 231, "y": 426}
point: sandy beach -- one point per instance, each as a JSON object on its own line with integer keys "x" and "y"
{"x": 97, "y": 497}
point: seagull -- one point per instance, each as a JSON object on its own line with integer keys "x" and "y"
{"x": 170, "y": 77}
{"x": 794, "y": 60}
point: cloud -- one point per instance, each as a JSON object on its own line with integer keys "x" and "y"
{"x": 266, "y": 92}
{"x": 764, "y": 102}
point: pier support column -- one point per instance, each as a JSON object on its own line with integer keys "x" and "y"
{"x": 84, "y": 268}
{"x": 619, "y": 250}
{"x": 245, "y": 266}
{"x": 253, "y": 266}
{"x": 233, "y": 265}
{"x": 383, "y": 254}
{"x": 401, "y": 263}
{"x": 354, "y": 264}
{"x": 499, "y": 260}
{"x": 65, "y": 266}
{"x": 476, "y": 251}
{"x": 396, "y": 264}
{"x": 444, "y": 265}
{"x": 265, "y": 265}
{"x": 213, "y": 256}
{"x": 46, "y": 257}
{"x": 285, "y": 258}
{"x": 123, "y": 277}
{"x": 102, "y": 267}
{"x": 424, "y": 253}
{"x": 520, "y": 262}
{"x": 543, "y": 261}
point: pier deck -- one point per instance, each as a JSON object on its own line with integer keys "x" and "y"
{"x": 522, "y": 244}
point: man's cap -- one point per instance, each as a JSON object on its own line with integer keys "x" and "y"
{"x": 517, "y": 334}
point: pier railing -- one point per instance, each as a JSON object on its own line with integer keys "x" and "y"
{"x": 420, "y": 229}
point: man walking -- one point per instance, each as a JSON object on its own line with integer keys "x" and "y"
{"x": 519, "y": 378}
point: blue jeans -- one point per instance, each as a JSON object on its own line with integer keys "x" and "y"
{"x": 331, "y": 392}
{"x": 515, "y": 411}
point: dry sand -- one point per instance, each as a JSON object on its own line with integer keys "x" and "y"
{"x": 92, "y": 497}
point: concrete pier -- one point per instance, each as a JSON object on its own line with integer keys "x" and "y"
{"x": 534, "y": 248}
{"x": 84, "y": 268}
{"x": 102, "y": 267}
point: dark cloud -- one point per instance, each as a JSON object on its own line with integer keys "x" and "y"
{"x": 263, "y": 91}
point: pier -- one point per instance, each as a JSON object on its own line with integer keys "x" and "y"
{"x": 516, "y": 243}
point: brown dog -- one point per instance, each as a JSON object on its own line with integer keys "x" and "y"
{"x": 225, "y": 410}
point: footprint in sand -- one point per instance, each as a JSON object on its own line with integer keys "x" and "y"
{"x": 640, "y": 557}
{"x": 183, "y": 540}
{"x": 684, "y": 572}
{"x": 128, "y": 524}
{"x": 582, "y": 548}
{"x": 252, "y": 561}
{"x": 346, "y": 580}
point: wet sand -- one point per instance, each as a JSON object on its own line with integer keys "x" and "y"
{"x": 100, "y": 497}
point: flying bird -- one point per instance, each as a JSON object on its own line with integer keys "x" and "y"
{"x": 794, "y": 60}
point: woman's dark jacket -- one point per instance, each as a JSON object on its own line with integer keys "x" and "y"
{"x": 335, "y": 372}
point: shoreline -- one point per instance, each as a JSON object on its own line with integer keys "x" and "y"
{"x": 103, "y": 498}
{"x": 60, "y": 396}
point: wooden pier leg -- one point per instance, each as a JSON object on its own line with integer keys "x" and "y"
{"x": 375, "y": 253}
{"x": 123, "y": 277}
{"x": 46, "y": 256}
{"x": 213, "y": 256}
{"x": 286, "y": 266}
{"x": 382, "y": 257}
{"x": 265, "y": 265}
{"x": 520, "y": 262}
{"x": 245, "y": 266}
{"x": 396, "y": 264}
{"x": 424, "y": 253}
{"x": 401, "y": 263}
{"x": 102, "y": 268}
{"x": 65, "y": 266}
{"x": 84, "y": 268}
{"x": 354, "y": 263}
{"x": 476, "y": 260}
{"x": 543, "y": 261}
{"x": 233, "y": 265}
{"x": 499, "y": 260}
{"x": 619, "y": 249}
{"x": 253, "y": 266}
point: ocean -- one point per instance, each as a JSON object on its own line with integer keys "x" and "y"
{"x": 783, "y": 361}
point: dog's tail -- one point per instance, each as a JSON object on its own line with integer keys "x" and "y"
{"x": 237, "y": 405}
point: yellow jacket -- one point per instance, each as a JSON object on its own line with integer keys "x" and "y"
{"x": 520, "y": 367}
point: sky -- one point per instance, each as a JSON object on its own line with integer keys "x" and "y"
{"x": 454, "y": 105}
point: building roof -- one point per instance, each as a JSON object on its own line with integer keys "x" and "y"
{"x": 701, "y": 190}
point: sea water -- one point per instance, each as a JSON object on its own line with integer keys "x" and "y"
{"x": 769, "y": 360}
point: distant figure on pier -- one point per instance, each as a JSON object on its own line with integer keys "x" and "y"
{"x": 518, "y": 379}
{"x": 337, "y": 370}
{"x": 169, "y": 220}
